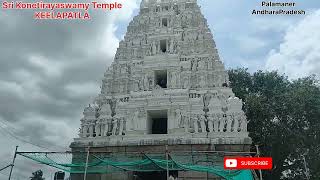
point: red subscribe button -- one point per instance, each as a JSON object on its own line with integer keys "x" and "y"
{"x": 248, "y": 163}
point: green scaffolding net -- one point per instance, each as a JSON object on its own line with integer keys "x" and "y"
{"x": 102, "y": 163}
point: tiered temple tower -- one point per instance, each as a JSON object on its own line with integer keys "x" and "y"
{"x": 167, "y": 85}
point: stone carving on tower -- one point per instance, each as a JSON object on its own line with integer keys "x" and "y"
{"x": 166, "y": 78}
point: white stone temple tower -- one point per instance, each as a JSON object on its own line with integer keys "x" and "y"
{"x": 167, "y": 85}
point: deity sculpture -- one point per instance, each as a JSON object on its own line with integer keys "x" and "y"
{"x": 210, "y": 123}
{"x": 173, "y": 80}
{"x": 154, "y": 48}
{"x": 221, "y": 120}
{"x": 194, "y": 65}
{"x": 135, "y": 120}
{"x": 98, "y": 128}
{"x": 175, "y": 47}
{"x": 178, "y": 116}
{"x": 171, "y": 46}
{"x": 186, "y": 82}
{"x": 215, "y": 122}
{"x": 202, "y": 82}
{"x": 236, "y": 122}
{"x": 194, "y": 119}
{"x": 114, "y": 125}
{"x": 229, "y": 122}
{"x": 202, "y": 120}
{"x": 244, "y": 122}
{"x": 146, "y": 83}
{"x": 121, "y": 125}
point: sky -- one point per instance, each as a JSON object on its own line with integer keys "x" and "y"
{"x": 51, "y": 70}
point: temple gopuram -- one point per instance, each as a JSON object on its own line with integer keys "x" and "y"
{"x": 165, "y": 98}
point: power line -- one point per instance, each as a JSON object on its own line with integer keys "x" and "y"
{"x": 15, "y": 178}
{"x": 21, "y": 140}
{"x": 7, "y": 124}
{"x": 12, "y": 133}
{"x": 5, "y": 167}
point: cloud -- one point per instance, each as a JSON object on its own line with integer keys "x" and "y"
{"x": 299, "y": 53}
{"x": 82, "y": 89}
{"x": 250, "y": 44}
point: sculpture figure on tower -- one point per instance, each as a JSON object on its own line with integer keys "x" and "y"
{"x": 154, "y": 48}
{"x": 229, "y": 121}
{"x": 194, "y": 65}
{"x": 178, "y": 117}
{"x": 236, "y": 122}
{"x": 146, "y": 83}
{"x": 173, "y": 80}
{"x": 139, "y": 85}
{"x": 91, "y": 129}
{"x": 114, "y": 125}
{"x": 202, "y": 120}
{"x": 215, "y": 122}
{"x": 135, "y": 121}
{"x": 244, "y": 122}
{"x": 121, "y": 125}
{"x": 175, "y": 47}
{"x": 150, "y": 84}
{"x": 89, "y": 119}
{"x": 105, "y": 117}
{"x": 171, "y": 46}
{"x": 201, "y": 65}
{"x": 202, "y": 82}
{"x": 194, "y": 119}
{"x": 210, "y": 122}
{"x": 221, "y": 122}
{"x": 135, "y": 85}
{"x": 98, "y": 128}
{"x": 186, "y": 82}
{"x": 206, "y": 99}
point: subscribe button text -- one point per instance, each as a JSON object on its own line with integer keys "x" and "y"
{"x": 248, "y": 163}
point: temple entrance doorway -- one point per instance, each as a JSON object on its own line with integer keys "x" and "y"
{"x": 157, "y": 122}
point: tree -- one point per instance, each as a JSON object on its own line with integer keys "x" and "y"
{"x": 284, "y": 120}
{"x": 37, "y": 175}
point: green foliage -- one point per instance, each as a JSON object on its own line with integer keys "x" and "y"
{"x": 37, "y": 175}
{"x": 284, "y": 120}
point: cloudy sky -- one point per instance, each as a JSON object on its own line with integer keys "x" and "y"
{"x": 50, "y": 70}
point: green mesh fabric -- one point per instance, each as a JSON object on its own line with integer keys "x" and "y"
{"x": 100, "y": 163}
